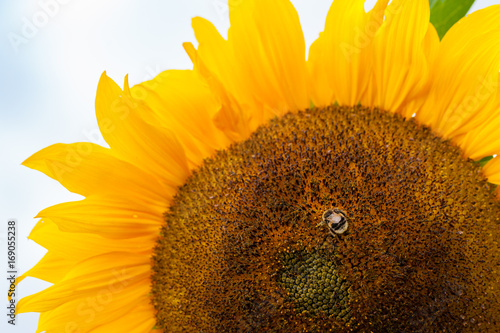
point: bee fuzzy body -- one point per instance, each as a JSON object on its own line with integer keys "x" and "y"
{"x": 336, "y": 221}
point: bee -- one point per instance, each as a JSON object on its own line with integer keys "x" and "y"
{"x": 336, "y": 220}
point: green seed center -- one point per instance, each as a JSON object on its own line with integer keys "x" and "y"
{"x": 314, "y": 284}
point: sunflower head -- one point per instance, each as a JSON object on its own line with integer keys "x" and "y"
{"x": 241, "y": 250}
{"x": 262, "y": 192}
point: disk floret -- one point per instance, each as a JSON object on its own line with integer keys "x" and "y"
{"x": 313, "y": 282}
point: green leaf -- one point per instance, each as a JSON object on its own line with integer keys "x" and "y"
{"x": 445, "y": 13}
{"x": 482, "y": 162}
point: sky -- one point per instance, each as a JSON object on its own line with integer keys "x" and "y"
{"x": 52, "y": 53}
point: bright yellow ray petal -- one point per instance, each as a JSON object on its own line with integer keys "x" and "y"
{"x": 219, "y": 60}
{"x": 181, "y": 103}
{"x": 85, "y": 168}
{"x": 268, "y": 42}
{"x": 235, "y": 117}
{"x": 482, "y": 141}
{"x": 464, "y": 88}
{"x": 68, "y": 249}
{"x": 107, "y": 216}
{"x": 81, "y": 246}
{"x": 340, "y": 60}
{"x": 239, "y": 112}
{"x": 88, "y": 278}
{"x": 430, "y": 47}
{"x": 263, "y": 61}
{"x": 400, "y": 69}
{"x": 87, "y": 313}
{"x": 492, "y": 171}
{"x": 151, "y": 148}
{"x": 51, "y": 268}
{"x": 141, "y": 320}
{"x": 321, "y": 92}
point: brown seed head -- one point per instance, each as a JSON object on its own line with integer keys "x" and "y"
{"x": 240, "y": 251}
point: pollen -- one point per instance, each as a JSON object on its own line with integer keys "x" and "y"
{"x": 241, "y": 250}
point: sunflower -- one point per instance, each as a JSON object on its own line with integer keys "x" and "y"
{"x": 263, "y": 192}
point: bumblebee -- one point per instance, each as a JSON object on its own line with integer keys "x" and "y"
{"x": 336, "y": 220}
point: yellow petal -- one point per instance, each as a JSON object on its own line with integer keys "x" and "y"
{"x": 263, "y": 61}
{"x": 88, "y": 278}
{"x": 68, "y": 249}
{"x": 107, "y": 216}
{"x": 430, "y": 47}
{"x": 236, "y": 118}
{"x": 268, "y": 42}
{"x": 239, "y": 114}
{"x": 492, "y": 171}
{"x": 85, "y": 314}
{"x": 179, "y": 102}
{"x": 85, "y": 168}
{"x": 80, "y": 246}
{"x": 483, "y": 140}
{"x": 340, "y": 60}
{"x": 321, "y": 92}
{"x": 151, "y": 148}
{"x": 400, "y": 68}
{"x": 219, "y": 60}
{"x": 464, "y": 85}
{"x": 141, "y": 320}
{"x": 51, "y": 268}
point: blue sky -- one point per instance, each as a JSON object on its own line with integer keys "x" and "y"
{"x": 48, "y": 82}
